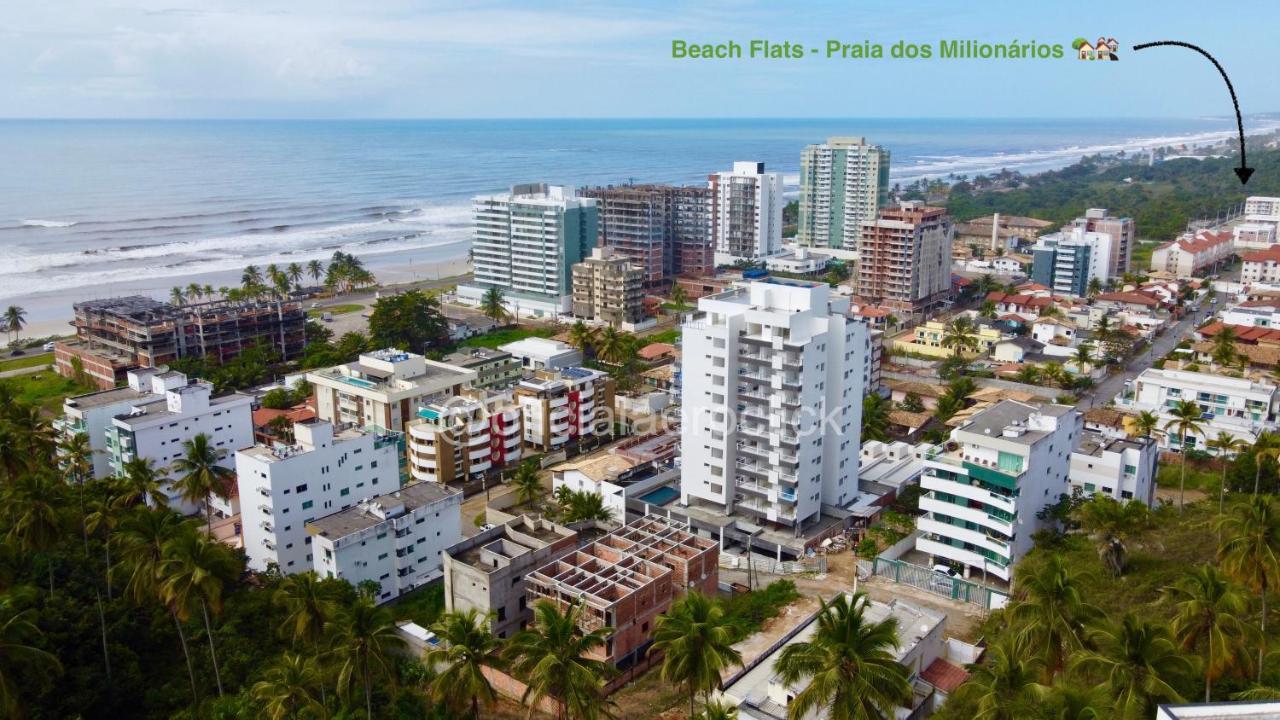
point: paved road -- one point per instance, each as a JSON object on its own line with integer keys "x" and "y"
{"x": 1106, "y": 391}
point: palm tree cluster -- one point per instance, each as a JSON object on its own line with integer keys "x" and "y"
{"x": 346, "y": 273}
{"x": 1057, "y": 650}
{"x": 15, "y": 318}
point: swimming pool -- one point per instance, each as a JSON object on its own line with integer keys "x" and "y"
{"x": 661, "y": 496}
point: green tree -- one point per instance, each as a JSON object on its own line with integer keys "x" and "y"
{"x": 251, "y": 278}
{"x": 584, "y": 505}
{"x": 32, "y": 512}
{"x": 1225, "y": 444}
{"x": 21, "y": 661}
{"x": 200, "y": 477}
{"x": 696, "y": 645}
{"x": 1185, "y": 423}
{"x": 1209, "y": 612}
{"x": 142, "y": 483}
{"x": 1146, "y": 424}
{"x": 294, "y": 273}
{"x": 310, "y": 604}
{"x": 552, "y": 656}
{"x": 315, "y": 269}
{"x": 1250, "y": 552}
{"x": 875, "y": 417}
{"x": 614, "y": 346}
{"x": 1066, "y": 701}
{"x": 1110, "y": 523}
{"x": 717, "y": 711}
{"x": 493, "y": 305}
{"x": 467, "y": 647}
{"x": 193, "y": 574}
{"x": 848, "y": 666}
{"x": 287, "y": 689}
{"x": 527, "y": 484}
{"x": 960, "y": 335}
{"x": 1051, "y": 610}
{"x": 680, "y": 298}
{"x": 582, "y": 337}
{"x": 410, "y": 320}
{"x": 1005, "y": 685}
{"x": 15, "y": 318}
{"x": 1265, "y": 446}
{"x": 364, "y": 641}
{"x": 1137, "y": 662}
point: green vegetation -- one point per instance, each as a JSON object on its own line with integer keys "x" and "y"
{"x": 746, "y": 613}
{"x": 340, "y": 309}
{"x": 423, "y": 606}
{"x": 26, "y": 361}
{"x": 410, "y": 320}
{"x": 670, "y": 336}
{"x": 46, "y": 389}
{"x": 503, "y": 336}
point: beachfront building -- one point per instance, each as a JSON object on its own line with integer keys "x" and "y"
{"x": 91, "y": 414}
{"x": 486, "y": 572}
{"x": 904, "y": 259}
{"x": 396, "y": 540}
{"x": 773, "y": 376}
{"x": 570, "y": 404}
{"x": 464, "y": 437}
{"x": 609, "y": 289}
{"x": 382, "y": 389}
{"x": 1121, "y": 468}
{"x": 525, "y": 243}
{"x": 746, "y": 213}
{"x": 664, "y": 229}
{"x": 1069, "y": 261}
{"x": 176, "y": 410}
{"x": 1193, "y": 253}
{"x": 843, "y": 183}
{"x": 1240, "y": 407}
{"x": 1123, "y": 236}
{"x": 283, "y": 487}
{"x": 494, "y": 369}
{"x": 115, "y": 335}
{"x": 626, "y": 580}
{"x": 982, "y": 497}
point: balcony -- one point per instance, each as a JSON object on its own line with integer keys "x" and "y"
{"x": 961, "y": 555}
{"x": 265, "y": 509}
{"x": 977, "y": 516}
{"x": 1003, "y": 503}
{"x": 956, "y": 532}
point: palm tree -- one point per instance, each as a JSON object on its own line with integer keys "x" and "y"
{"x": 1208, "y": 612}
{"x": 31, "y": 505}
{"x": 1084, "y": 356}
{"x": 527, "y": 484}
{"x": 1094, "y": 288}
{"x": 76, "y": 457}
{"x": 582, "y": 337}
{"x": 1064, "y": 701}
{"x": 176, "y": 297}
{"x": 286, "y": 688}
{"x": 1226, "y": 444}
{"x": 960, "y": 335}
{"x": 1266, "y": 445}
{"x": 1224, "y": 351}
{"x": 142, "y": 483}
{"x": 1185, "y": 422}
{"x": 1138, "y": 663}
{"x": 493, "y": 305}
{"x": 1109, "y": 523}
{"x": 365, "y": 641}
{"x": 679, "y": 298}
{"x": 1051, "y": 610}
{"x": 195, "y": 291}
{"x": 1146, "y": 424}
{"x": 1029, "y": 375}
{"x": 613, "y": 346}
{"x": 315, "y": 269}
{"x": 696, "y": 645}
{"x": 848, "y": 665}
{"x": 875, "y": 417}
{"x": 586, "y": 505}
{"x": 192, "y": 575}
{"x": 717, "y": 711}
{"x": 552, "y": 657}
{"x": 309, "y": 604}
{"x": 19, "y": 657}
{"x": 1006, "y": 683}
{"x": 1250, "y": 552}
{"x": 294, "y": 273}
{"x": 251, "y": 278}
{"x": 15, "y": 318}
{"x": 467, "y": 648}
{"x": 200, "y": 475}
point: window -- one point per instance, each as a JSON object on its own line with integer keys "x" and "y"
{"x": 306, "y": 505}
{"x": 301, "y": 488}
{"x": 344, "y": 492}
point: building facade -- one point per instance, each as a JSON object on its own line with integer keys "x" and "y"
{"x": 746, "y": 213}
{"x": 383, "y": 389}
{"x": 609, "y": 289}
{"x": 464, "y": 437}
{"x": 571, "y": 404}
{"x": 1123, "y": 236}
{"x": 904, "y": 259}
{"x": 843, "y": 183}
{"x": 1068, "y": 261}
{"x": 525, "y": 243}
{"x": 91, "y": 414}
{"x": 283, "y": 487}
{"x": 1123, "y": 469}
{"x": 396, "y": 540}
{"x": 494, "y": 369}
{"x": 1261, "y": 266}
{"x": 773, "y": 377}
{"x": 664, "y": 229}
{"x": 982, "y": 498}
{"x": 1240, "y": 407}
{"x": 1193, "y": 253}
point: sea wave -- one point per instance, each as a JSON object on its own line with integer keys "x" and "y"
{"x": 49, "y": 223}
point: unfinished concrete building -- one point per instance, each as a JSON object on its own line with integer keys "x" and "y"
{"x": 486, "y": 572}
{"x": 609, "y": 288}
{"x": 626, "y": 579}
{"x": 665, "y": 229}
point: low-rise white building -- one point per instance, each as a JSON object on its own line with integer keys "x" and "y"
{"x": 1238, "y": 406}
{"x": 157, "y": 429}
{"x": 535, "y": 353}
{"x": 283, "y": 487}
{"x": 571, "y": 404}
{"x": 464, "y": 437}
{"x": 396, "y": 540}
{"x": 1121, "y": 468}
{"x": 800, "y": 261}
{"x": 91, "y": 414}
{"x": 1254, "y": 235}
{"x": 1261, "y": 266}
{"x": 382, "y": 389}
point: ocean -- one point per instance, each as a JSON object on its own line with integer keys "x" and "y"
{"x": 95, "y": 208}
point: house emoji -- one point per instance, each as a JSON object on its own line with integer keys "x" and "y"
{"x": 1102, "y": 49}
{"x": 1113, "y": 46}
{"x": 1086, "y": 51}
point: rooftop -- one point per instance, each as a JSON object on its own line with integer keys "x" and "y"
{"x": 1007, "y": 414}
{"x": 380, "y": 509}
{"x": 105, "y": 397}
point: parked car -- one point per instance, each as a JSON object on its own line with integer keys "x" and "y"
{"x": 48, "y": 347}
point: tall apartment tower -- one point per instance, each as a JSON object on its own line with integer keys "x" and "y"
{"x": 843, "y": 183}
{"x": 608, "y": 288}
{"x": 1123, "y": 236}
{"x": 525, "y": 243}
{"x": 774, "y": 379}
{"x": 665, "y": 229}
{"x": 1068, "y": 261}
{"x": 904, "y": 259}
{"x": 746, "y": 213}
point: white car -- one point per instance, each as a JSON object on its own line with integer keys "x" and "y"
{"x": 946, "y": 570}
{"x": 48, "y": 347}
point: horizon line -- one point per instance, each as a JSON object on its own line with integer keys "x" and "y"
{"x": 179, "y": 118}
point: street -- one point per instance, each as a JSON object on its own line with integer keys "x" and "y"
{"x": 1106, "y": 390}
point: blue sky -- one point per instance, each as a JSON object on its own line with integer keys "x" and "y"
{"x": 416, "y": 58}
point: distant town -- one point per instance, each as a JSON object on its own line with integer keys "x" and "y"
{"x": 662, "y": 451}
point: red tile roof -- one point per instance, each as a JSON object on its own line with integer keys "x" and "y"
{"x": 1130, "y": 298}
{"x": 944, "y": 675}
{"x": 1271, "y": 254}
{"x": 656, "y": 350}
{"x": 301, "y": 413}
{"x": 1245, "y": 333}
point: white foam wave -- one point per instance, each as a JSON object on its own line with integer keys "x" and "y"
{"x": 48, "y": 223}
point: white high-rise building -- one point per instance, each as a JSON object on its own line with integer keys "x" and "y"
{"x": 282, "y": 488}
{"x": 773, "y": 384}
{"x": 746, "y": 213}
{"x": 843, "y": 183}
{"x": 1008, "y": 462}
{"x": 526, "y": 243}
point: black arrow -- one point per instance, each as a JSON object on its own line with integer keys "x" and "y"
{"x": 1244, "y": 171}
